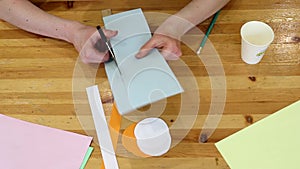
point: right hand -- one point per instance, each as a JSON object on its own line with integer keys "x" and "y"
{"x": 168, "y": 46}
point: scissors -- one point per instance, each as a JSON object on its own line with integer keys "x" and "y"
{"x": 109, "y": 48}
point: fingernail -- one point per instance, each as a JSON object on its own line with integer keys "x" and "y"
{"x": 138, "y": 55}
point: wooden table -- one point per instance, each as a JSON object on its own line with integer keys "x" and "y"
{"x": 36, "y": 75}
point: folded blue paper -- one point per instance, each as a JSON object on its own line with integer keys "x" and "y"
{"x": 142, "y": 81}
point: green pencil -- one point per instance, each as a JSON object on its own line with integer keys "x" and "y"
{"x": 211, "y": 25}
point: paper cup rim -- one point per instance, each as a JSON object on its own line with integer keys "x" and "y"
{"x": 149, "y": 120}
{"x": 163, "y": 138}
{"x": 260, "y": 22}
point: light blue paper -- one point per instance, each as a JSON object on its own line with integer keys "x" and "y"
{"x": 142, "y": 81}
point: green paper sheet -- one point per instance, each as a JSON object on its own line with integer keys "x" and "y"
{"x": 86, "y": 157}
{"x": 271, "y": 143}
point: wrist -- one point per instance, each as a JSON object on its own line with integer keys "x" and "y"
{"x": 72, "y": 28}
{"x": 174, "y": 27}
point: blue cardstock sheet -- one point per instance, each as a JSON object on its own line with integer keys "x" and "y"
{"x": 141, "y": 81}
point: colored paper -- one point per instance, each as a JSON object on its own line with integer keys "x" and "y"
{"x": 86, "y": 157}
{"x": 103, "y": 133}
{"x": 31, "y": 146}
{"x": 142, "y": 81}
{"x": 271, "y": 143}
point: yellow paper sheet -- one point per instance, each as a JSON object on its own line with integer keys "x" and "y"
{"x": 271, "y": 143}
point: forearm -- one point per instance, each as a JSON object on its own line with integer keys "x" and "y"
{"x": 25, "y": 15}
{"x": 189, "y": 16}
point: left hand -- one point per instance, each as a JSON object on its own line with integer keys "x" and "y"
{"x": 169, "y": 47}
{"x": 87, "y": 39}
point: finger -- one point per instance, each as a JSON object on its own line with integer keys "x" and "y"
{"x": 94, "y": 57}
{"x": 105, "y": 57}
{"x": 146, "y": 48}
{"x": 110, "y": 33}
{"x": 171, "y": 54}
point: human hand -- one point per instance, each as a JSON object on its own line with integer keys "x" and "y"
{"x": 169, "y": 47}
{"x": 87, "y": 42}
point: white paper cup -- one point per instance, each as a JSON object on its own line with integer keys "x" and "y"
{"x": 256, "y": 38}
{"x": 153, "y": 136}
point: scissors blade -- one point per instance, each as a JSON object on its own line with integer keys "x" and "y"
{"x": 113, "y": 56}
{"x": 108, "y": 45}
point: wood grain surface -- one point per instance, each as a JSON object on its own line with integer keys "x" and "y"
{"x": 36, "y": 75}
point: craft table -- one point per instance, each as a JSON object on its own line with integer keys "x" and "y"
{"x": 36, "y": 75}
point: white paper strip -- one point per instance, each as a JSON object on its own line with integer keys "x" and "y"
{"x": 105, "y": 142}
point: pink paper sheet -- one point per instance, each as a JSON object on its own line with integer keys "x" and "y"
{"x": 25, "y": 145}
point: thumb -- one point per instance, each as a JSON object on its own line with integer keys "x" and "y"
{"x": 146, "y": 48}
{"x": 110, "y": 33}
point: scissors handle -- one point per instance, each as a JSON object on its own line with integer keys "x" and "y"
{"x": 103, "y": 37}
{"x": 108, "y": 45}
{"x": 109, "y": 48}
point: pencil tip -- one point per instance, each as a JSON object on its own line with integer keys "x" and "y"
{"x": 199, "y": 51}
